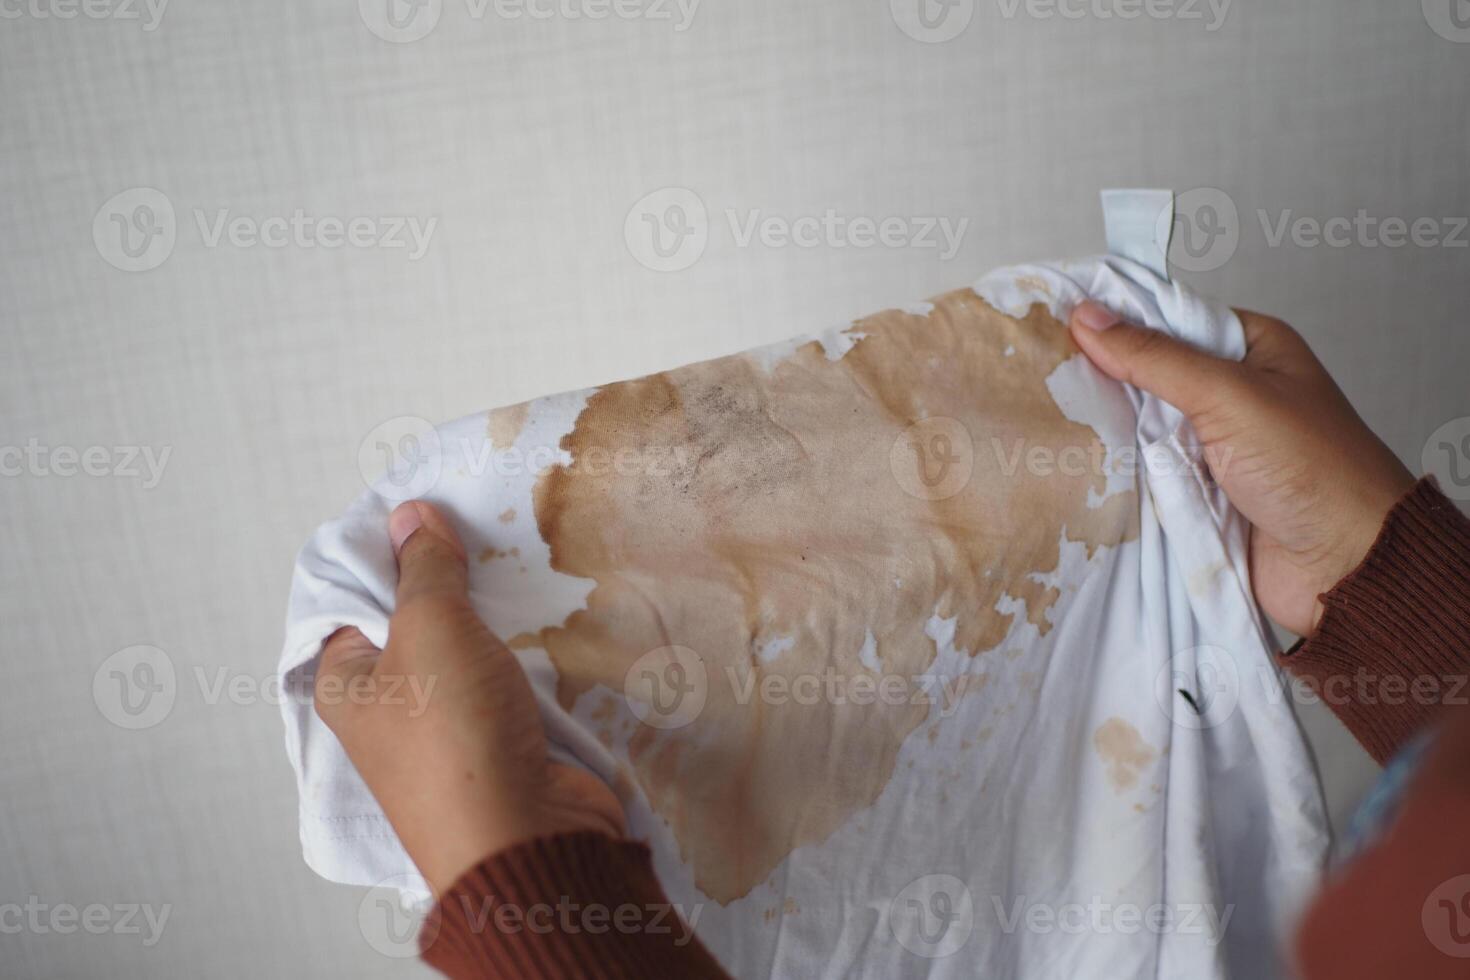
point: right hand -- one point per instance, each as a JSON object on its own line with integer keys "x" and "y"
{"x": 1286, "y": 447}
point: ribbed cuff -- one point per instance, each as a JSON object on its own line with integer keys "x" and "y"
{"x": 569, "y": 905}
{"x": 1394, "y": 641}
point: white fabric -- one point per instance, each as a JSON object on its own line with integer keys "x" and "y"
{"x": 1213, "y": 814}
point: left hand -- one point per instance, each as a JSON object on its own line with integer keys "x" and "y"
{"x": 441, "y": 723}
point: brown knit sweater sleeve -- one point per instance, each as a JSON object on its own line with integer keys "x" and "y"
{"x": 570, "y": 905}
{"x": 1393, "y": 645}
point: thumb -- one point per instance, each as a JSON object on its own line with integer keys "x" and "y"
{"x": 431, "y": 561}
{"x": 1184, "y": 376}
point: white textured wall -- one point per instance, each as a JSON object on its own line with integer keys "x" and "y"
{"x": 260, "y": 370}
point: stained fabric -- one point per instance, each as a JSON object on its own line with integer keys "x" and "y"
{"x": 917, "y": 648}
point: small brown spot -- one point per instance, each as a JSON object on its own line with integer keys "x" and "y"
{"x": 505, "y": 424}
{"x": 1034, "y": 284}
{"x": 1201, "y": 581}
{"x": 507, "y": 515}
{"x": 1123, "y": 751}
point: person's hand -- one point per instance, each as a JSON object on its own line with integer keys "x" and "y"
{"x": 441, "y": 722}
{"x": 1283, "y": 442}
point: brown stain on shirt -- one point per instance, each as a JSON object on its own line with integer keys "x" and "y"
{"x": 785, "y": 521}
{"x": 1123, "y": 751}
{"x": 505, "y": 425}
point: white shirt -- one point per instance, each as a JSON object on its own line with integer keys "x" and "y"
{"x": 918, "y": 649}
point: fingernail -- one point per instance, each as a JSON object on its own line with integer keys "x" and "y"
{"x": 404, "y": 520}
{"x": 1094, "y": 316}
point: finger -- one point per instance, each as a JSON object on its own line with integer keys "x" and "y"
{"x": 431, "y": 561}
{"x": 346, "y": 656}
{"x": 1186, "y": 377}
{"x": 1272, "y": 344}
